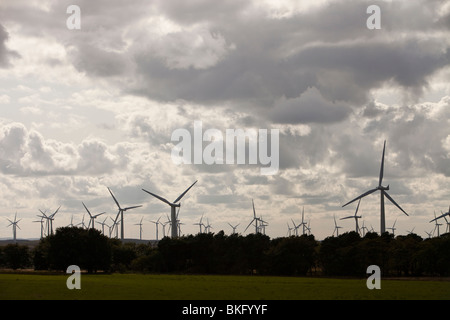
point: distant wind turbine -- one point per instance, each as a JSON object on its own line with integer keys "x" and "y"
{"x": 355, "y": 217}
{"x": 436, "y": 224}
{"x": 336, "y": 227}
{"x": 42, "y": 225}
{"x": 121, "y": 211}
{"x": 49, "y": 219}
{"x": 383, "y": 193}
{"x": 93, "y": 217}
{"x": 255, "y": 219}
{"x": 200, "y": 224}
{"x": 103, "y": 224}
{"x": 173, "y": 206}
{"x": 393, "y": 227}
{"x": 233, "y": 227}
{"x": 443, "y": 215}
{"x": 156, "y": 224}
{"x": 15, "y": 225}
{"x": 140, "y": 228}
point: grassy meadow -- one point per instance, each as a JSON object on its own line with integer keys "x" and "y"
{"x": 206, "y": 287}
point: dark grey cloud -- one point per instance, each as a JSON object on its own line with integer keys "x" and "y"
{"x": 5, "y": 53}
{"x": 310, "y": 107}
{"x": 348, "y": 71}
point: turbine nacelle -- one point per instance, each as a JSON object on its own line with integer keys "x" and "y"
{"x": 383, "y": 188}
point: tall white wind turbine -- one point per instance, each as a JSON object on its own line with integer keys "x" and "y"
{"x": 383, "y": 193}
{"x": 173, "y": 206}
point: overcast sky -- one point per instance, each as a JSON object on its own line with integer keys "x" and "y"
{"x": 83, "y": 110}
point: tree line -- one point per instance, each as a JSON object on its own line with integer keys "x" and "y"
{"x": 348, "y": 254}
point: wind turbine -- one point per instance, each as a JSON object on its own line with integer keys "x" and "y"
{"x": 83, "y": 225}
{"x": 448, "y": 224}
{"x": 308, "y": 227}
{"x": 254, "y": 219}
{"x": 443, "y": 216}
{"x": 103, "y": 225}
{"x": 121, "y": 211}
{"x": 289, "y": 229}
{"x": 42, "y": 225}
{"x": 355, "y": 217}
{"x": 93, "y": 217}
{"x": 207, "y": 227}
{"x": 364, "y": 228}
{"x": 172, "y": 205}
{"x": 200, "y": 224}
{"x": 295, "y": 227}
{"x": 15, "y": 225}
{"x": 336, "y": 227}
{"x": 262, "y": 225}
{"x": 233, "y": 227}
{"x": 156, "y": 224}
{"x": 383, "y": 194}
{"x": 49, "y": 219}
{"x": 393, "y": 227}
{"x": 140, "y": 228}
{"x": 436, "y": 224}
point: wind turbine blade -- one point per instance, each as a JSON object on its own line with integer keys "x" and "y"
{"x": 97, "y": 215}
{"x": 117, "y": 216}
{"x": 347, "y": 217}
{"x": 182, "y": 195}
{"x": 134, "y": 207}
{"x": 382, "y": 166}
{"x": 254, "y": 212}
{"x": 249, "y": 225}
{"x": 158, "y": 197}
{"x": 361, "y": 196}
{"x": 443, "y": 215}
{"x": 55, "y": 212}
{"x": 392, "y": 200}
{"x": 357, "y": 207}
{"x": 90, "y": 215}
{"x": 115, "y": 200}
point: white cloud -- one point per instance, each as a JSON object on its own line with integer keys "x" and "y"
{"x": 4, "y": 99}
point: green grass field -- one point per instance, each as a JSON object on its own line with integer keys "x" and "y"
{"x": 195, "y": 287}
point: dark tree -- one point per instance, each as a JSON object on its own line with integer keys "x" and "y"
{"x": 16, "y": 256}
{"x": 88, "y": 249}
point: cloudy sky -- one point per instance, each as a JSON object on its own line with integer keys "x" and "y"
{"x": 83, "y": 110}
